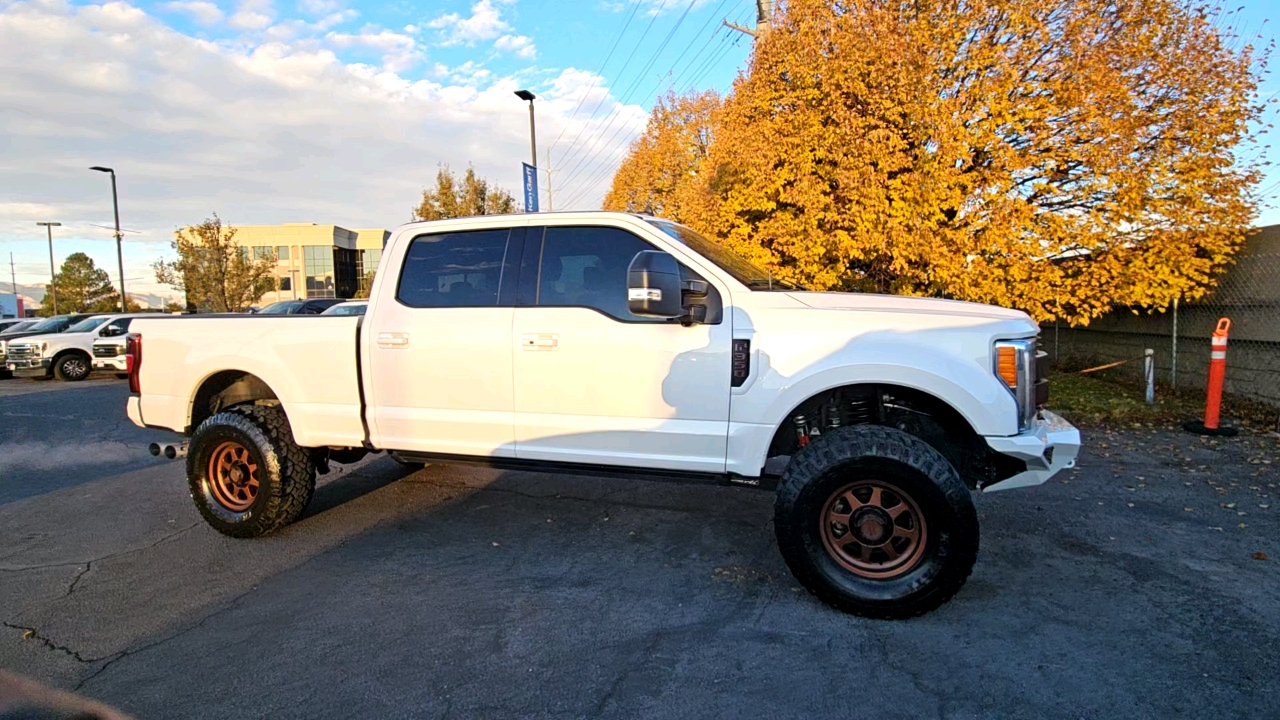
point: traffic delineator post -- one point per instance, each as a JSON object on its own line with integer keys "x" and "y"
{"x": 1217, "y": 372}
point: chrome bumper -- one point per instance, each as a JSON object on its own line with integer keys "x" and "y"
{"x": 111, "y": 363}
{"x": 1050, "y": 445}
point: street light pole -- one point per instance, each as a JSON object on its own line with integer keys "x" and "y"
{"x": 115, "y": 204}
{"x": 53, "y": 275}
{"x": 533, "y": 143}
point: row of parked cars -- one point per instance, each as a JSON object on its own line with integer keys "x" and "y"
{"x": 70, "y": 347}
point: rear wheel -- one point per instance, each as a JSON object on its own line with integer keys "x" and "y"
{"x": 71, "y": 367}
{"x": 246, "y": 474}
{"x": 876, "y": 522}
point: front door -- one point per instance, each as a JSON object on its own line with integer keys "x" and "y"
{"x": 596, "y": 384}
{"x": 440, "y": 349}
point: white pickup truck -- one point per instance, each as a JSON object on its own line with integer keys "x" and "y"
{"x": 619, "y": 344}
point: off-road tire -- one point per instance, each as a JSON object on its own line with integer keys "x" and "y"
{"x": 122, "y": 376}
{"x": 72, "y": 367}
{"x": 835, "y": 460}
{"x": 284, "y": 471}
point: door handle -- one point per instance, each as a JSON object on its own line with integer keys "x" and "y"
{"x": 393, "y": 340}
{"x": 539, "y": 341}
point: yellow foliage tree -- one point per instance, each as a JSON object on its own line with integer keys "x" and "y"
{"x": 659, "y": 175}
{"x": 469, "y": 196}
{"x": 1060, "y": 156}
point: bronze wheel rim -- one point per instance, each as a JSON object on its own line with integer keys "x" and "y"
{"x": 873, "y": 529}
{"x": 233, "y": 476}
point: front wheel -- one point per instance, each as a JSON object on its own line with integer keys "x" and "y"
{"x": 71, "y": 368}
{"x": 246, "y": 474}
{"x": 876, "y": 522}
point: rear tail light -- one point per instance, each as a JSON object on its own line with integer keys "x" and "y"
{"x": 133, "y": 362}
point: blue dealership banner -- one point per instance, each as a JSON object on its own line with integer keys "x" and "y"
{"x": 530, "y": 188}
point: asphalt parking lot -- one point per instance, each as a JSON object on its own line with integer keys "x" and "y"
{"x": 1132, "y": 587}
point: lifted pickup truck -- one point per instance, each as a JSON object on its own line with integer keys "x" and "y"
{"x": 609, "y": 343}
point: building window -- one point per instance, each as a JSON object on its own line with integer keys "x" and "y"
{"x": 260, "y": 252}
{"x": 282, "y": 252}
{"x": 318, "y": 268}
{"x": 346, "y": 279}
{"x": 366, "y": 267}
{"x": 286, "y": 283}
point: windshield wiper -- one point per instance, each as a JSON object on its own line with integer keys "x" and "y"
{"x": 771, "y": 284}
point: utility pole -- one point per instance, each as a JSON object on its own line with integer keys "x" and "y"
{"x": 53, "y": 275}
{"x": 764, "y": 20}
{"x": 550, "y": 204}
{"x": 13, "y": 279}
{"x": 115, "y": 204}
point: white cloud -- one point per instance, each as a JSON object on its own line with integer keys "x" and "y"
{"x": 399, "y": 52}
{"x": 318, "y": 7}
{"x": 205, "y": 13}
{"x": 484, "y": 23}
{"x": 251, "y": 15}
{"x": 271, "y": 132}
{"x": 519, "y": 45}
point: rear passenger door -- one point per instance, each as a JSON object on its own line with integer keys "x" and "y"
{"x": 596, "y": 384}
{"x": 439, "y": 350}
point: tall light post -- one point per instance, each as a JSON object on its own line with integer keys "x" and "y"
{"x": 115, "y": 204}
{"x": 53, "y": 275}
{"x": 533, "y": 143}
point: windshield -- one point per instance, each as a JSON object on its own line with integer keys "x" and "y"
{"x": 18, "y": 327}
{"x": 280, "y": 308}
{"x": 87, "y": 324}
{"x": 57, "y": 323}
{"x": 741, "y": 270}
{"x": 352, "y": 309}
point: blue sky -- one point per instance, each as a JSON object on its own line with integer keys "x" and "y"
{"x": 332, "y": 111}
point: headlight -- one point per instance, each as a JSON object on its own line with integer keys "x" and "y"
{"x": 1015, "y": 362}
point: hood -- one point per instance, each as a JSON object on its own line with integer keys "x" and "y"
{"x": 25, "y": 334}
{"x": 868, "y": 302}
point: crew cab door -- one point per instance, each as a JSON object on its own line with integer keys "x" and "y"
{"x": 597, "y": 384}
{"x": 439, "y": 345}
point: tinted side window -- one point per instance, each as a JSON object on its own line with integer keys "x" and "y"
{"x": 459, "y": 269}
{"x": 587, "y": 267}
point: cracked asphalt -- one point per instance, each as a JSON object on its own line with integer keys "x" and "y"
{"x": 1126, "y": 588}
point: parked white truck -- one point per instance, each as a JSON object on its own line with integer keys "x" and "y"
{"x": 619, "y": 344}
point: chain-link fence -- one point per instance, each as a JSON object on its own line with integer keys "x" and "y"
{"x": 1248, "y": 294}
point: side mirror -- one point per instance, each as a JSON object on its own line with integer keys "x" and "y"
{"x": 653, "y": 285}
{"x": 112, "y": 331}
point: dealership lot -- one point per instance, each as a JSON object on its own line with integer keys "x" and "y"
{"x": 1129, "y": 588}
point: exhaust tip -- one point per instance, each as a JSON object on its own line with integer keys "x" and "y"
{"x": 154, "y": 449}
{"x": 170, "y": 452}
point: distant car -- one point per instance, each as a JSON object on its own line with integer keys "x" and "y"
{"x": 314, "y": 306}
{"x": 15, "y": 324}
{"x": 67, "y": 355}
{"x": 45, "y": 326}
{"x": 351, "y": 307}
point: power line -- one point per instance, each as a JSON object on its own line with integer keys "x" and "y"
{"x": 726, "y": 44}
{"x": 635, "y": 84}
{"x": 599, "y": 73}
{"x": 626, "y": 62}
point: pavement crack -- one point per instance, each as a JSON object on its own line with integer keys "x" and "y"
{"x": 79, "y": 575}
{"x": 30, "y": 633}
{"x": 109, "y": 556}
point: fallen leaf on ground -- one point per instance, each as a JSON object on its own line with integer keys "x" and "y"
{"x": 1260, "y": 556}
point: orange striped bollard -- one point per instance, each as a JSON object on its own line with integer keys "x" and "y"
{"x": 1213, "y": 400}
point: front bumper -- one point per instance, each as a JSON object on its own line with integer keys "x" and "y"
{"x": 110, "y": 363}
{"x": 29, "y": 367}
{"x": 1049, "y": 445}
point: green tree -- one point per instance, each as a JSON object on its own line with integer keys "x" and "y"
{"x": 213, "y": 271}
{"x": 82, "y": 287}
{"x": 462, "y": 198}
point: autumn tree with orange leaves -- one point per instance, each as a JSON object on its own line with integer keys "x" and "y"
{"x": 1065, "y": 157}
{"x": 659, "y": 174}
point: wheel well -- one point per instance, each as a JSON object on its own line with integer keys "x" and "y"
{"x": 70, "y": 351}
{"x": 226, "y": 389}
{"x": 913, "y": 411}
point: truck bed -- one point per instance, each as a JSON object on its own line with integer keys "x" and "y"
{"x": 308, "y": 361}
